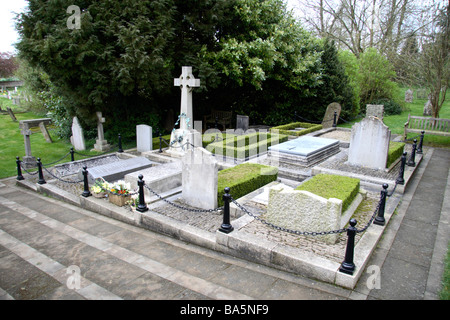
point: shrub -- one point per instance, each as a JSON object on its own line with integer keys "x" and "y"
{"x": 333, "y": 186}
{"x": 395, "y": 152}
{"x": 243, "y": 179}
{"x": 241, "y": 147}
{"x": 288, "y": 128}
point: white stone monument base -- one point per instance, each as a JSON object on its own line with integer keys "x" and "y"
{"x": 101, "y": 145}
{"x": 190, "y": 138}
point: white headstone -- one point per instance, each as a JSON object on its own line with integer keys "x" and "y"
{"x": 144, "y": 137}
{"x": 77, "y": 138}
{"x": 427, "y": 108}
{"x": 369, "y": 143}
{"x": 199, "y": 178}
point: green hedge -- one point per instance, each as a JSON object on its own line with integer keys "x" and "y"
{"x": 287, "y": 128}
{"x": 395, "y": 152}
{"x": 241, "y": 147}
{"x": 333, "y": 186}
{"x": 243, "y": 179}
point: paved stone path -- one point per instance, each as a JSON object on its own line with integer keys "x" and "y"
{"x": 53, "y": 250}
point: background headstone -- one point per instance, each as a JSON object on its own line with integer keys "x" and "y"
{"x": 369, "y": 143}
{"x": 427, "y": 108}
{"x": 144, "y": 137}
{"x": 77, "y": 138}
{"x": 101, "y": 144}
{"x": 409, "y": 96}
{"x": 375, "y": 110}
{"x": 199, "y": 178}
{"x": 328, "y": 118}
{"x": 242, "y": 122}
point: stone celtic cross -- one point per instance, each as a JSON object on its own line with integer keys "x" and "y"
{"x": 186, "y": 82}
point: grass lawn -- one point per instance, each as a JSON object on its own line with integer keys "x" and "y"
{"x": 12, "y": 142}
{"x": 396, "y": 122}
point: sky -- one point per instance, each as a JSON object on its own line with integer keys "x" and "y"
{"x": 9, "y": 35}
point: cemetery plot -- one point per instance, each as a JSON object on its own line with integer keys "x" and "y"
{"x": 244, "y": 147}
{"x": 296, "y": 128}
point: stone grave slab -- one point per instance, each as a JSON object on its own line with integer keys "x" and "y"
{"x": 305, "y": 150}
{"x": 117, "y": 170}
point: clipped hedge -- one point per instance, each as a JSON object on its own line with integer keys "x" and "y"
{"x": 287, "y": 128}
{"x": 395, "y": 152}
{"x": 241, "y": 147}
{"x": 243, "y": 179}
{"x": 333, "y": 186}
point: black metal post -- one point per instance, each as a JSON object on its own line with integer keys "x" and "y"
{"x": 142, "y": 207}
{"x": 348, "y": 266}
{"x": 72, "y": 155}
{"x": 86, "y": 193}
{"x": 334, "y": 119}
{"x": 226, "y": 226}
{"x": 379, "y": 220}
{"x": 411, "y": 161}
{"x": 41, "y": 175}
{"x": 120, "y": 143}
{"x": 160, "y": 142}
{"x": 19, "y": 169}
{"x": 419, "y": 147}
{"x": 401, "y": 173}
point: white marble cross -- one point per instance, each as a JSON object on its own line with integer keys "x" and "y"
{"x": 186, "y": 82}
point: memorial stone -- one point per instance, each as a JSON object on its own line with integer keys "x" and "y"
{"x": 427, "y": 108}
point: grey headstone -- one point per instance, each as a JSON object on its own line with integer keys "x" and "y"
{"x": 409, "y": 96}
{"x": 375, "y": 110}
{"x": 242, "y": 122}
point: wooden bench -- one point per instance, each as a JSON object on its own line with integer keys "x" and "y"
{"x": 223, "y": 118}
{"x": 435, "y": 126}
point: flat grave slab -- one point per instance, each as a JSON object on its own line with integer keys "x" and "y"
{"x": 118, "y": 169}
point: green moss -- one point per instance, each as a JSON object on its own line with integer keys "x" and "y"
{"x": 395, "y": 152}
{"x": 333, "y": 186}
{"x": 243, "y": 179}
{"x": 288, "y": 128}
